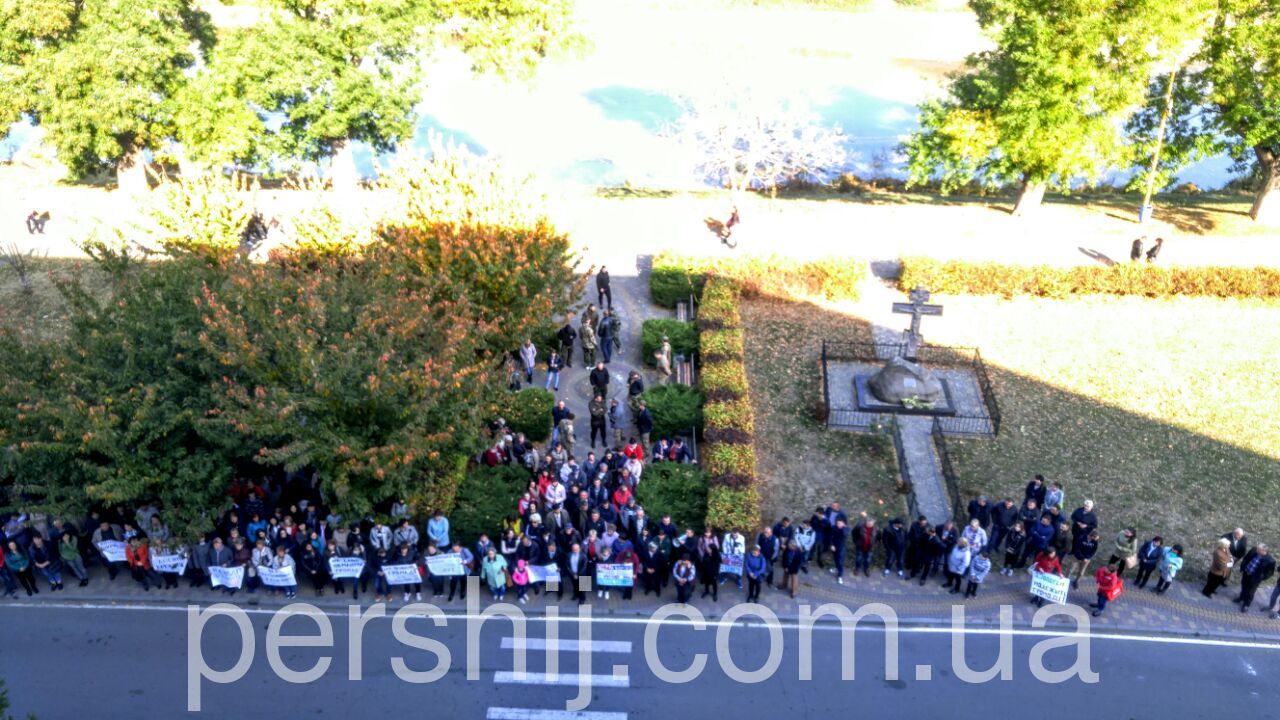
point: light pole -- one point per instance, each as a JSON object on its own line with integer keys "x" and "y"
{"x": 1144, "y": 213}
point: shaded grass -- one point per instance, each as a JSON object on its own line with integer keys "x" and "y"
{"x": 42, "y": 313}
{"x": 801, "y": 464}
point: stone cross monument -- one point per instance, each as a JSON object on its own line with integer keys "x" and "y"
{"x": 911, "y": 338}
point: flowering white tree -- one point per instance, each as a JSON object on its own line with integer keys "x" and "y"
{"x": 744, "y": 146}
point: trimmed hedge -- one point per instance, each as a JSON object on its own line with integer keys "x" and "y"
{"x": 724, "y": 380}
{"x": 674, "y": 489}
{"x": 528, "y": 411}
{"x": 485, "y": 497}
{"x": 729, "y": 508}
{"x": 440, "y": 492}
{"x": 735, "y": 414}
{"x": 683, "y": 336}
{"x": 721, "y": 346}
{"x": 723, "y": 460}
{"x": 674, "y": 276}
{"x": 718, "y": 309}
{"x": 676, "y": 409}
{"x": 968, "y": 278}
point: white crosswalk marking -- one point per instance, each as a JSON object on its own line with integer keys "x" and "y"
{"x": 503, "y": 677}
{"x": 595, "y": 646}
{"x": 525, "y": 714}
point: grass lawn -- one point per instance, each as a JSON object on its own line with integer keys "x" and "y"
{"x": 800, "y": 463}
{"x": 1162, "y": 411}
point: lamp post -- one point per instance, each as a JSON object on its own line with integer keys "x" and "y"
{"x": 1144, "y": 213}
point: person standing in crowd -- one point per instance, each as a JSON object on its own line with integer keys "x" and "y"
{"x": 1170, "y": 564}
{"x": 408, "y": 555}
{"x": 312, "y": 565}
{"x": 520, "y": 579}
{"x": 894, "y": 540}
{"x": 604, "y": 336}
{"x": 46, "y": 560}
{"x": 1083, "y": 548}
{"x": 767, "y": 544}
{"x": 864, "y": 545}
{"x": 493, "y": 570}
{"x": 1126, "y": 551}
{"x": 1046, "y": 562}
{"x": 1110, "y": 585}
{"x": 644, "y": 422}
{"x": 1036, "y": 490}
{"x": 1239, "y": 546}
{"x": 381, "y": 588}
{"x": 975, "y": 535}
{"x": 138, "y": 555}
{"x": 577, "y": 572}
{"x": 806, "y": 539}
{"x": 1003, "y": 516}
{"x": 598, "y": 410}
{"x": 555, "y": 363}
{"x": 587, "y": 336}
{"x": 793, "y": 563}
{"x": 458, "y": 583}
{"x": 958, "y": 561}
{"x": 685, "y": 576}
{"x": 1255, "y": 568}
{"x": 6, "y": 575}
{"x": 438, "y": 530}
{"x": 18, "y": 564}
{"x": 1149, "y": 557}
{"x": 284, "y": 561}
{"x": 1221, "y": 566}
{"x": 567, "y": 336}
{"x": 837, "y": 537}
{"x": 980, "y": 510}
{"x": 753, "y": 565}
{"x": 603, "y": 292}
{"x": 1015, "y": 542}
{"x": 978, "y": 570}
{"x": 734, "y": 544}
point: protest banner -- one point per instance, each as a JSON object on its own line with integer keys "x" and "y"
{"x": 112, "y": 550}
{"x": 169, "y": 563}
{"x": 401, "y": 574}
{"x": 731, "y": 564}
{"x": 277, "y": 577}
{"x": 232, "y": 577}
{"x": 341, "y": 568}
{"x": 618, "y": 575}
{"x": 445, "y": 564}
{"x": 1050, "y": 587}
{"x": 544, "y": 573}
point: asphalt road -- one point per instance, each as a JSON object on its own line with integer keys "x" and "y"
{"x": 62, "y": 662}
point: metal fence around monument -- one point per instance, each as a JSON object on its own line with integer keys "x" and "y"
{"x": 851, "y": 418}
{"x": 944, "y": 465}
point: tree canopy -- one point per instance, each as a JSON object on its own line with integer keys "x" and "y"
{"x": 1045, "y": 107}
{"x": 1226, "y": 99}
{"x": 101, "y": 77}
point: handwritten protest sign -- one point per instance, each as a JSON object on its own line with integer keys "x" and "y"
{"x": 618, "y": 575}
{"x": 341, "y": 568}
{"x": 169, "y": 563}
{"x": 1050, "y": 587}
{"x": 445, "y": 564}
{"x": 277, "y": 577}
{"x": 232, "y": 577}
{"x": 112, "y": 550}
{"x": 401, "y": 574}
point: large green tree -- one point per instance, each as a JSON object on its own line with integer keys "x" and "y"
{"x": 1045, "y": 106}
{"x": 1226, "y": 99}
{"x": 314, "y": 76}
{"x": 101, "y": 76}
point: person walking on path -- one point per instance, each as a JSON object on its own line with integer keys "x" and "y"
{"x": 528, "y": 357}
{"x": 567, "y": 336}
{"x": 603, "y": 291}
{"x": 554, "y": 365}
{"x": 1220, "y": 568}
{"x": 1255, "y": 568}
{"x": 1170, "y": 564}
{"x": 1126, "y": 551}
{"x": 1148, "y": 558}
{"x": 1110, "y": 585}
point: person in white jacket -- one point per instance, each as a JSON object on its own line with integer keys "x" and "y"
{"x": 528, "y": 356}
{"x": 284, "y": 560}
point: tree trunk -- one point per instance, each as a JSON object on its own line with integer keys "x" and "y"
{"x": 131, "y": 172}
{"x": 1266, "y": 204}
{"x": 342, "y": 168}
{"x": 1030, "y": 199}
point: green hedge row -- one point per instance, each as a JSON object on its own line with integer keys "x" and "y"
{"x": 674, "y": 489}
{"x": 676, "y": 409}
{"x": 486, "y": 496}
{"x": 683, "y": 336}
{"x": 970, "y": 278}
{"x": 528, "y": 411}
{"x": 674, "y": 277}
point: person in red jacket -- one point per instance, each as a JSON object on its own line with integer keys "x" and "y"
{"x": 1046, "y": 562}
{"x": 1110, "y": 585}
{"x": 138, "y": 555}
{"x": 621, "y": 496}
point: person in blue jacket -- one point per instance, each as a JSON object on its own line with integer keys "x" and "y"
{"x": 754, "y": 566}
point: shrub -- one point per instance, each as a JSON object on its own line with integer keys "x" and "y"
{"x": 676, "y": 409}
{"x": 721, "y": 346}
{"x": 485, "y": 497}
{"x": 683, "y": 336}
{"x": 528, "y": 411}
{"x": 724, "y": 380}
{"x": 440, "y": 492}
{"x": 673, "y": 489}
{"x": 728, "y": 460}
{"x": 719, "y": 307}
{"x": 967, "y": 278}
{"x": 736, "y": 414}
{"x": 545, "y": 339}
{"x": 670, "y": 284}
{"x": 733, "y": 508}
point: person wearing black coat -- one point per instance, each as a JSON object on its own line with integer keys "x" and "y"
{"x": 1256, "y": 567}
{"x": 1036, "y": 490}
{"x": 567, "y": 335}
{"x": 894, "y": 540}
{"x": 917, "y": 545}
{"x": 1083, "y": 521}
{"x": 980, "y": 510}
{"x": 934, "y": 551}
{"x": 1149, "y": 556}
{"x": 574, "y": 567}
{"x": 599, "y": 378}
{"x": 1003, "y": 516}
{"x": 793, "y": 562}
{"x": 818, "y": 521}
{"x": 709, "y": 570}
{"x": 312, "y": 566}
{"x": 1238, "y": 546}
{"x": 602, "y": 288}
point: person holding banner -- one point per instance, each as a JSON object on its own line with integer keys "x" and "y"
{"x": 458, "y": 583}
{"x": 138, "y": 555}
{"x": 407, "y": 555}
{"x": 110, "y": 534}
{"x": 381, "y": 588}
{"x": 627, "y": 556}
{"x": 261, "y": 557}
{"x": 220, "y": 556}
{"x": 163, "y": 549}
{"x": 1046, "y": 562}
{"x": 283, "y": 561}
